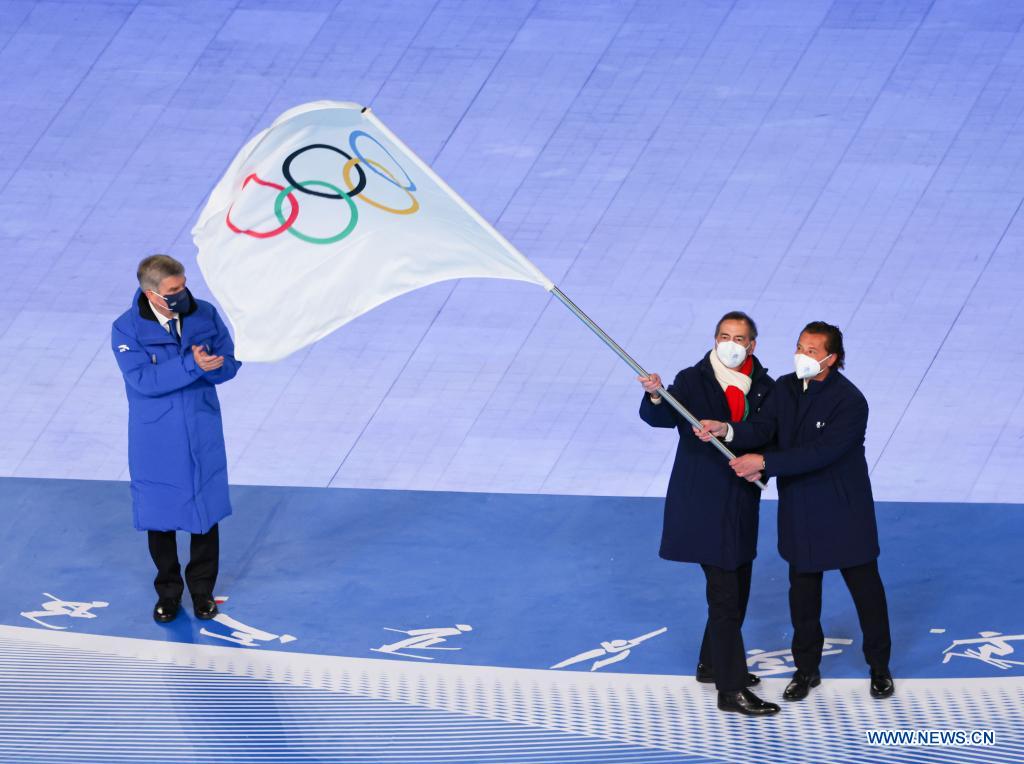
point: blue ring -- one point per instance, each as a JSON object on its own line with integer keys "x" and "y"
{"x": 362, "y": 159}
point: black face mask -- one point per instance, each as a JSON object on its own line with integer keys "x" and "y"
{"x": 179, "y": 302}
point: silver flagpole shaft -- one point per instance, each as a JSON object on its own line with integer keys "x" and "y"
{"x": 640, "y": 370}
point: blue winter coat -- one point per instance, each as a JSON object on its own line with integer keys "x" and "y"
{"x": 179, "y": 477}
{"x": 710, "y": 514}
{"x": 826, "y": 509}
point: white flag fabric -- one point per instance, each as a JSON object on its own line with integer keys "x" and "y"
{"x": 325, "y": 215}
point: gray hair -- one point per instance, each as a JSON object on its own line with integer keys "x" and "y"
{"x": 155, "y": 268}
{"x": 737, "y": 315}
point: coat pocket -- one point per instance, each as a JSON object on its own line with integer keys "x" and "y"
{"x": 151, "y": 409}
{"x": 211, "y": 400}
{"x": 841, "y": 493}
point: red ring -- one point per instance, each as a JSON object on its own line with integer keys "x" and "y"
{"x": 266, "y": 234}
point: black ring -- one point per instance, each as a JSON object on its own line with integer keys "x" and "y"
{"x": 286, "y": 168}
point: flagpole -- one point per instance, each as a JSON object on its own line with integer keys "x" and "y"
{"x": 541, "y": 279}
{"x": 589, "y": 322}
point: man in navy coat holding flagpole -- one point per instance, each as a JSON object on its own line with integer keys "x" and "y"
{"x": 711, "y": 516}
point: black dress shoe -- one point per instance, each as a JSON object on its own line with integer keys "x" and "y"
{"x": 166, "y": 609}
{"x": 745, "y": 702}
{"x": 882, "y": 685}
{"x": 707, "y": 676}
{"x": 205, "y": 608}
{"x": 800, "y": 685}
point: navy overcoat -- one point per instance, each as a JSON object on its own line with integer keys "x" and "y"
{"x": 710, "y": 514}
{"x": 826, "y": 509}
{"x": 176, "y": 458}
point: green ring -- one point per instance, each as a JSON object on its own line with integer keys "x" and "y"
{"x": 279, "y": 204}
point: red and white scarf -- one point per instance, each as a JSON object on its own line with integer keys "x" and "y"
{"x": 735, "y": 383}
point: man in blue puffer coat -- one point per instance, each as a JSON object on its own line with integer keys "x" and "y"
{"x": 172, "y": 351}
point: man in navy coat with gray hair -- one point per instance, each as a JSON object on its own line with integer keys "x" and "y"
{"x": 816, "y": 420}
{"x": 711, "y": 515}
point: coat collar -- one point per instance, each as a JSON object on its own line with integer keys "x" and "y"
{"x": 814, "y": 387}
{"x": 806, "y": 399}
{"x": 147, "y": 326}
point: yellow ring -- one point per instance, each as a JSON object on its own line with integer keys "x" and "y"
{"x": 347, "y": 172}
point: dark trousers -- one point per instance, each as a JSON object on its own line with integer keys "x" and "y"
{"x": 201, "y": 571}
{"x": 868, "y": 594}
{"x": 722, "y": 648}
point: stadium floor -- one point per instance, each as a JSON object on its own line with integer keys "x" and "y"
{"x": 400, "y": 626}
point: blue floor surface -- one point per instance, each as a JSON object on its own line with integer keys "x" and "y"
{"x": 537, "y": 579}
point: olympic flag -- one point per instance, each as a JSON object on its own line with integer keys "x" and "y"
{"x": 325, "y": 215}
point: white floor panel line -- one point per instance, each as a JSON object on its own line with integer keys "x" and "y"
{"x": 667, "y": 713}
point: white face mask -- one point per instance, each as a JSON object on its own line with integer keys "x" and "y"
{"x": 732, "y": 354}
{"x": 807, "y": 367}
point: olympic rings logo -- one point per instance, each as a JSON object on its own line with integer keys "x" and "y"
{"x": 354, "y": 178}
